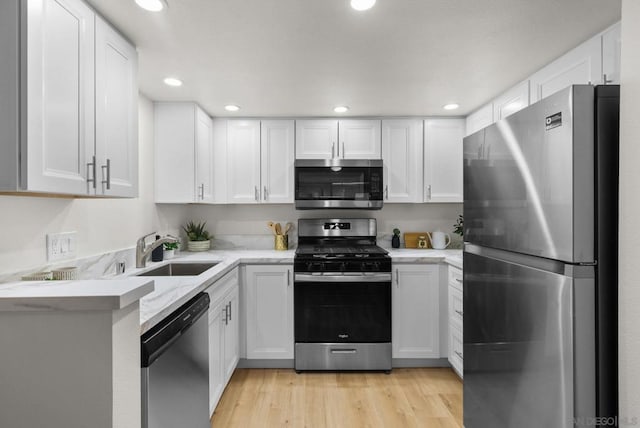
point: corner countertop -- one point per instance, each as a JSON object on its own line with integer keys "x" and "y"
{"x": 83, "y": 295}
{"x": 172, "y": 292}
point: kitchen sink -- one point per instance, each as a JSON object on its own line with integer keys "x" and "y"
{"x": 179, "y": 269}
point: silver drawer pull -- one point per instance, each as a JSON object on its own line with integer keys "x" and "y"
{"x": 344, "y": 351}
{"x": 459, "y": 313}
{"x": 458, "y": 354}
{"x": 459, "y": 280}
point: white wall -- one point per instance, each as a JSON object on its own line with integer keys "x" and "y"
{"x": 252, "y": 219}
{"x": 102, "y": 224}
{"x": 629, "y": 286}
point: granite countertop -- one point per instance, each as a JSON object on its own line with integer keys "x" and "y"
{"x": 82, "y": 295}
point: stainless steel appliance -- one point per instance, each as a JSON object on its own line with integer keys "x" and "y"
{"x": 175, "y": 369}
{"x": 342, "y": 296}
{"x": 338, "y": 183}
{"x": 540, "y": 264}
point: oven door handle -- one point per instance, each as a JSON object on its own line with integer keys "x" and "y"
{"x": 374, "y": 277}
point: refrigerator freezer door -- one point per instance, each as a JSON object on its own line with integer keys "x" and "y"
{"x": 529, "y": 180}
{"x": 528, "y": 346}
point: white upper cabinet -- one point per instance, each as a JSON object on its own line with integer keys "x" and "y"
{"x": 58, "y": 97}
{"x": 402, "y": 152}
{"x": 316, "y": 139}
{"x": 611, "y": 42}
{"x": 443, "y": 160}
{"x": 260, "y": 161}
{"x": 513, "y": 100}
{"x": 479, "y": 119}
{"x": 76, "y": 93}
{"x": 116, "y": 113}
{"x": 243, "y": 157}
{"x": 333, "y": 139}
{"x": 581, "y": 65}
{"x": 359, "y": 139}
{"x": 277, "y": 155}
{"x": 183, "y": 153}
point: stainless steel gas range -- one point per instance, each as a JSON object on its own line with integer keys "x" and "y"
{"x": 342, "y": 297}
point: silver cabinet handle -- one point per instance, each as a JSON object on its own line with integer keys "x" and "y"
{"x": 428, "y": 192}
{"x": 201, "y": 191}
{"x": 108, "y": 168}
{"x": 397, "y": 280}
{"x": 92, "y": 164}
{"x": 288, "y": 277}
{"x": 386, "y": 192}
{"x": 459, "y": 312}
{"x": 458, "y": 354}
{"x": 224, "y": 312}
{"x": 333, "y": 150}
{"x": 605, "y": 80}
{"x": 264, "y": 195}
{"x": 256, "y": 196}
{"x": 342, "y": 150}
{"x": 229, "y": 311}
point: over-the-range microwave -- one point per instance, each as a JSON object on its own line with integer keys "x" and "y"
{"x": 338, "y": 183}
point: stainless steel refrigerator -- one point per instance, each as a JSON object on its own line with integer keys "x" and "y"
{"x": 540, "y": 264}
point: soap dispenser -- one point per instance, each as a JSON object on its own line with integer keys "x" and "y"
{"x": 157, "y": 253}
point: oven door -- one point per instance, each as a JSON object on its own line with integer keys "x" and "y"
{"x": 342, "y": 308}
{"x": 338, "y": 184}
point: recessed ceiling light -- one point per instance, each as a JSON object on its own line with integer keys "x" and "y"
{"x": 152, "y": 5}
{"x": 231, "y": 107}
{"x": 172, "y": 81}
{"x": 341, "y": 109}
{"x": 362, "y": 4}
{"x": 451, "y": 106}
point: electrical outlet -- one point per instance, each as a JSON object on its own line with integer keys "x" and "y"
{"x": 61, "y": 246}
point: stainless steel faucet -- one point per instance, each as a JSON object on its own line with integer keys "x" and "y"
{"x": 143, "y": 250}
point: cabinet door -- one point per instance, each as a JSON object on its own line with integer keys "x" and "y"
{"x": 316, "y": 139}
{"x": 402, "y": 156}
{"x": 204, "y": 157}
{"x": 443, "y": 160}
{"x": 415, "y": 311}
{"x": 269, "y": 312}
{"x": 581, "y": 65}
{"x": 513, "y": 100}
{"x": 116, "y": 113}
{"x": 479, "y": 119}
{"x": 60, "y": 97}
{"x": 359, "y": 139}
{"x": 216, "y": 353}
{"x": 231, "y": 333}
{"x": 611, "y": 42}
{"x": 243, "y": 158}
{"x": 277, "y": 149}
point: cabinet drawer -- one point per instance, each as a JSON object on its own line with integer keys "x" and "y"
{"x": 456, "y": 313}
{"x": 455, "y": 277}
{"x": 456, "y": 356}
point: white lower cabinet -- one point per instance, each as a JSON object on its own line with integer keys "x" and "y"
{"x": 269, "y": 311}
{"x": 455, "y": 319}
{"x": 415, "y": 311}
{"x": 223, "y": 334}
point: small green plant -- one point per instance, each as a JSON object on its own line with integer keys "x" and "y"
{"x": 196, "y": 231}
{"x": 170, "y": 246}
{"x": 396, "y": 232}
{"x": 458, "y": 228}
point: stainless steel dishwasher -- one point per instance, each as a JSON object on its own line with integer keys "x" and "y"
{"x": 175, "y": 369}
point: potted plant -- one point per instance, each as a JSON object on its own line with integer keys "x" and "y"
{"x": 199, "y": 238}
{"x": 458, "y": 228}
{"x": 170, "y": 249}
{"x": 395, "y": 240}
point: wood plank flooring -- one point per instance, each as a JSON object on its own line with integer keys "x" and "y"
{"x": 425, "y": 397}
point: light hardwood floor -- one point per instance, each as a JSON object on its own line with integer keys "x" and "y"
{"x": 429, "y": 397}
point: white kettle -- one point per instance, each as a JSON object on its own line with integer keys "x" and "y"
{"x": 439, "y": 240}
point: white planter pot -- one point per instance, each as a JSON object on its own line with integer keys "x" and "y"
{"x": 198, "y": 245}
{"x": 169, "y": 254}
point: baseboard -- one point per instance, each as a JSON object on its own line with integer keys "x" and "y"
{"x": 245, "y": 363}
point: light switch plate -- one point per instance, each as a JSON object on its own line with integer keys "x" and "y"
{"x": 61, "y": 246}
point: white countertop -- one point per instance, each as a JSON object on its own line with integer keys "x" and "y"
{"x": 83, "y": 295}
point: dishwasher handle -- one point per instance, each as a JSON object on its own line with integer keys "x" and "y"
{"x": 160, "y": 337}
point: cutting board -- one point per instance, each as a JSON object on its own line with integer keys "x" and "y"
{"x": 411, "y": 239}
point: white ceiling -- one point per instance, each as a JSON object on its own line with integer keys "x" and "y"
{"x": 303, "y": 57}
